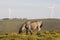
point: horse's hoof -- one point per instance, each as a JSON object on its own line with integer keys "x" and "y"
{"x": 38, "y": 33}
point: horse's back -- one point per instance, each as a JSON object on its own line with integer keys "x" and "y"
{"x": 39, "y": 23}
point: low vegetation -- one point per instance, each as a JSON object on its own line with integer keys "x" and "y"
{"x": 47, "y": 35}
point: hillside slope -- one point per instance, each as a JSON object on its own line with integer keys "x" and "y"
{"x": 14, "y": 24}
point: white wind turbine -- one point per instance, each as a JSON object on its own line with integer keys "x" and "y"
{"x": 9, "y": 12}
{"x": 51, "y": 8}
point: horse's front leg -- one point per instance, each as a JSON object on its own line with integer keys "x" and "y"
{"x": 38, "y": 32}
{"x": 26, "y": 31}
{"x": 30, "y": 32}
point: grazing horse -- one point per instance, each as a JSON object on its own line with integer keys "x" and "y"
{"x": 30, "y": 26}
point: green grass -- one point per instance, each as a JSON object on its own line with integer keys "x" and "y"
{"x": 47, "y": 35}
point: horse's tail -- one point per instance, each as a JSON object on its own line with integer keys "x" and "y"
{"x": 41, "y": 25}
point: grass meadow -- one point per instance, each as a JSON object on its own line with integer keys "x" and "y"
{"x": 9, "y": 30}
{"x": 47, "y": 35}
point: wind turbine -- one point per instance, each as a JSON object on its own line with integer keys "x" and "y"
{"x": 9, "y": 12}
{"x": 51, "y": 8}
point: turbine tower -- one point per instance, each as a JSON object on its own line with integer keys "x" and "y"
{"x": 51, "y": 8}
{"x": 9, "y": 12}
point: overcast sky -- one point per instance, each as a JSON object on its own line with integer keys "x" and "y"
{"x": 30, "y": 8}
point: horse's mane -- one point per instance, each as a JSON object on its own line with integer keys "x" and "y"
{"x": 20, "y": 29}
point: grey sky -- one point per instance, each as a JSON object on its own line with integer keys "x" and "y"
{"x": 29, "y": 8}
